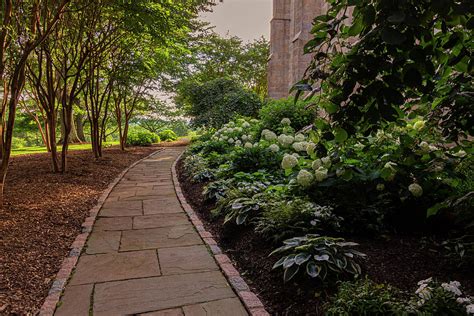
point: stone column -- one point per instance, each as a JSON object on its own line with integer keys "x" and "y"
{"x": 278, "y": 65}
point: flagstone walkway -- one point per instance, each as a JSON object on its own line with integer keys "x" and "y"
{"x": 144, "y": 257}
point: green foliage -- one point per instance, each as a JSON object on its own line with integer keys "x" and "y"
{"x": 299, "y": 113}
{"x": 197, "y": 166}
{"x": 364, "y": 297}
{"x": 167, "y": 135}
{"x": 140, "y": 137}
{"x": 18, "y": 142}
{"x": 409, "y": 57}
{"x": 285, "y": 218}
{"x": 318, "y": 257}
{"x": 216, "y": 102}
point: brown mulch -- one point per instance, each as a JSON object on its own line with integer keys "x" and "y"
{"x": 401, "y": 261}
{"x": 43, "y": 214}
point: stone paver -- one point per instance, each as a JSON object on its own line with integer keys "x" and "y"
{"x": 182, "y": 260}
{"x": 227, "y": 307}
{"x": 76, "y": 300}
{"x": 103, "y": 242}
{"x": 116, "y": 266}
{"x": 154, "y": 238}
{"x": 144, "y": 257}
{"x": 152, "y": 294}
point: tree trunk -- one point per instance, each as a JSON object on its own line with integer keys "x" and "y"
{"x": 73, "y": 135}
{"x": 79, "y": 120}
{"x": 53, "y": 143}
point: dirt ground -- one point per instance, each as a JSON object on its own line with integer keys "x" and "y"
{"x": 42, "y": 215}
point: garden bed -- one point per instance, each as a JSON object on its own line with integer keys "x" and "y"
{"x": 42, "y": 216}
{"x": 400, "y": 261}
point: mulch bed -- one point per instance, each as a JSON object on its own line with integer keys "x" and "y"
{"x": 42, "y": 215}
{"x": 400, "y": 261}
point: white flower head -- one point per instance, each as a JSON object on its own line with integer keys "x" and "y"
{"x": 274, "y": 148}
{"x": 244, "y": 138}
{"x": 463, "y": 300}
{"x": 470, "y": 309}
{"x": 231, "y": 141}
{"x": 285, "y": 140}
{"x": 231, "y": 124}
{"x": 245, "y": 124}
{"x": 300, "y": 138}
{"x": 304, "y": 178}
{"x": 300, "y": 146}
{"x": 289, "y": 162}
{"x": 238, "y": 143}
{"x": 316, "y": 164}
{"x": 452, "y": 287}
{"x": 248, "y": 145}
{"x": 321, "y": 174}
{"x": 415, "y": 189}
{"x": 286, "y": 121}
{"x": 269, "y": 135}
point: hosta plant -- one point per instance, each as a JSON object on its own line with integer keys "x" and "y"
{"x": 243, "y": 208}
{"x": 318, "y": 257}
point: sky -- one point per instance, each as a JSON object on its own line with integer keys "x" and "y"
{"x": 247, "y": 19}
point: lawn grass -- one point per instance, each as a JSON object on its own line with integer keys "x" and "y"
{"x": 42, "y": 149}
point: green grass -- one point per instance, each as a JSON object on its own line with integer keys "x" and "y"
{"x": 39, "y": 149}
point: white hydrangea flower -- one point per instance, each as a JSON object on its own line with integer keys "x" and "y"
{"x": 286, "y": 121}
{"x": 289, "y": 162}
{"x": 256, "y": 144}
{"x": 380, "y": 187}
{"x": 225, "y": 137}
{"x": 295, "y": 155}
{"x": 452, "y": 287}
{"x": 470, "y": 309}
{"x": 254, "y": 121}
{"x": 238, "y": 129}
{"x": 463, "y": 300}
{"x": 245, "y": 124}
{"x": 244, "y": 137}
{"x": 238, "y": 142}
{"x": 231, "y": 140}
{"x": 304, "y": 178}
{"x": 299, "y": 146}
{"x": 310, "y": 148}
{"x": 321, "y": 174}
{"x": 248, "y": 145}
{"x": 326, "y": 161}
{"x": 269, "y": 135}
{"x": 415, "y": 189}
{"x": 285, "y": 140}
{"x": 274, "y": 148}
{"x": 300, "y": 138}
{"x": 425, "y": 281}
{"x": 231, "y": 124}
{"x": 316, "y": 164}
{"x": 221, "y": 139}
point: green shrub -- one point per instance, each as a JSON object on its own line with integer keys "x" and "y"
{"x": 318, "y": 257}
{"x": 296, "y": 216}
{"x": 216, "y": 102}
{"x": 18, "y": 142}
{"x": 275, "y": 110}
{"x": 167, "y": 135}
{"x": 364, "y": 297}
{"x": 198, "y": 168}
{"x": 141, "y": 137}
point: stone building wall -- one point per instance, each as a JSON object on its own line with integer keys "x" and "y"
{"x": 290, "y": 31}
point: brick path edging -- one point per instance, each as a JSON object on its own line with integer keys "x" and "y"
{"x": 69, "y": 263}
{"x": 251, "y": 302}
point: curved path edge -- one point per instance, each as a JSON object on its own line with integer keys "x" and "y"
{"x": 251, "y": 302}
{"x": 69, "y": 263}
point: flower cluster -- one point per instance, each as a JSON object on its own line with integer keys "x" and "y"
{"x": 286, "y": 140}
{"x": 268, "y": 135}
{"x": 304, "y": 178}
{"x": 289, "y": 162}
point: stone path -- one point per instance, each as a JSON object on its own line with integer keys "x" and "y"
{"x": 144, "y": 257}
